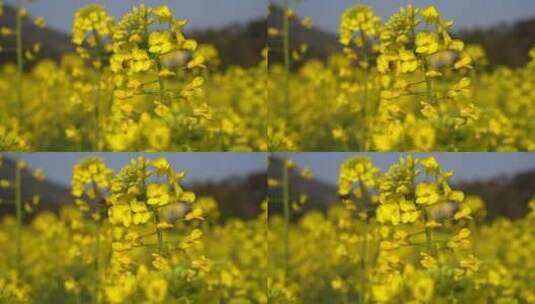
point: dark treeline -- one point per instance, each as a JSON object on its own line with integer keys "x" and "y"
{"x": 506, "y": 45}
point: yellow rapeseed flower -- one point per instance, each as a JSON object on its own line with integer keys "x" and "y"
{"x": 160, "y": 43}
{"x": 426, "y": 43}
{"x": 158, "y": 195}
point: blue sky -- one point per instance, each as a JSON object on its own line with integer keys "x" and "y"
{"x": 199, "y": 166}
{"x": 325, "y": 13}
{"x": 216, "y": 166}
{"x": 466, "y": 13}
{"x": 201, "y": 13}
{"x": 467, "y": 166}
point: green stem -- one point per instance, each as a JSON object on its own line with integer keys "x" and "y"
{"x": 428, "y": 83}
{"x": 364, "y": 109}
{"x": 363, "y": 258}
{"x": 286, "y": 204}
{"x": 99, "y": 49}
{"x": 155, "y": 213}
{"x": 425, "y": 215}
{"x": 20, "y": 63}
{"x": 428, "y": 235}
{"x": 162, "y": 90}
{"x": 364, "y": 246}
{"x": 96, "y": 142}
{"x": 100, "y": 209}
{"x": 161, "y": 83}
{"x": 159, "y": 232}
{"x": 18, "y": 203}
{"x": 97, "y": 265}
{"x": 220, "y": 131}
{"x": 287, "y": 63}
{"x": 430, "y": 98}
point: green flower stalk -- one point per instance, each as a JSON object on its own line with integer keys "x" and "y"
{"x": 19, "y": 210}
{"x": 287, "y": 62}
{"x": 96, "y": 282}
{"x": 159, "y": 232}
{"x": 20, "y": 62}
{"x": 422, "y": 210}
{"x": 287, "y": 214}
{"x": 364, "y": 246}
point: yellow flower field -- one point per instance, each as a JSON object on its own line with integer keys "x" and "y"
{"x": 138, "y": 83}
{"x": 132, "y": 236}
{"x": 401, "y": 84}
{"x": 399, "y": 236}
{"x": 134, "y": 84}
{"x": 150, "y": 78}
{"x": 136, "y": 235}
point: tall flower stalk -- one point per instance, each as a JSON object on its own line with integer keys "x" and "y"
{"x": 97, "y": 111}
{"x": 287, "y": 62}
{"x": 96, "y": 282}
{"x": 19, "y": 211}
{"x": 356, "y": 182}
{"x": 286, "y": 211}
{"x": 423, "y": 212}
{"x": 20, "y": 62}
{"x": 364, "y": 244}
{"x": 100, "y": 208}
{"x": 91, "y": 27}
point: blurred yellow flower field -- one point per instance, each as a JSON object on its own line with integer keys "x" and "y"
{"x": 401, "y": 84}
{"x": 132, "y": 236}
{"x": 140, "y": 232}
{"x": 403, "y": 235}
{"x": 137, "y": 235}
{"x": 137, "y": 83}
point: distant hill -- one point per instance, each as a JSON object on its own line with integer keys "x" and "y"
{"x": 239, "y": 197}
{"x": 238, "y": 44}
{"x": 321, "y": 44}
{"x": 504, "y": 196}
{"x": 506, "y": 45}
{"x": 53, "y": 43}
{"x": 320, "y": 195}
{"x": 53, "y": 196}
